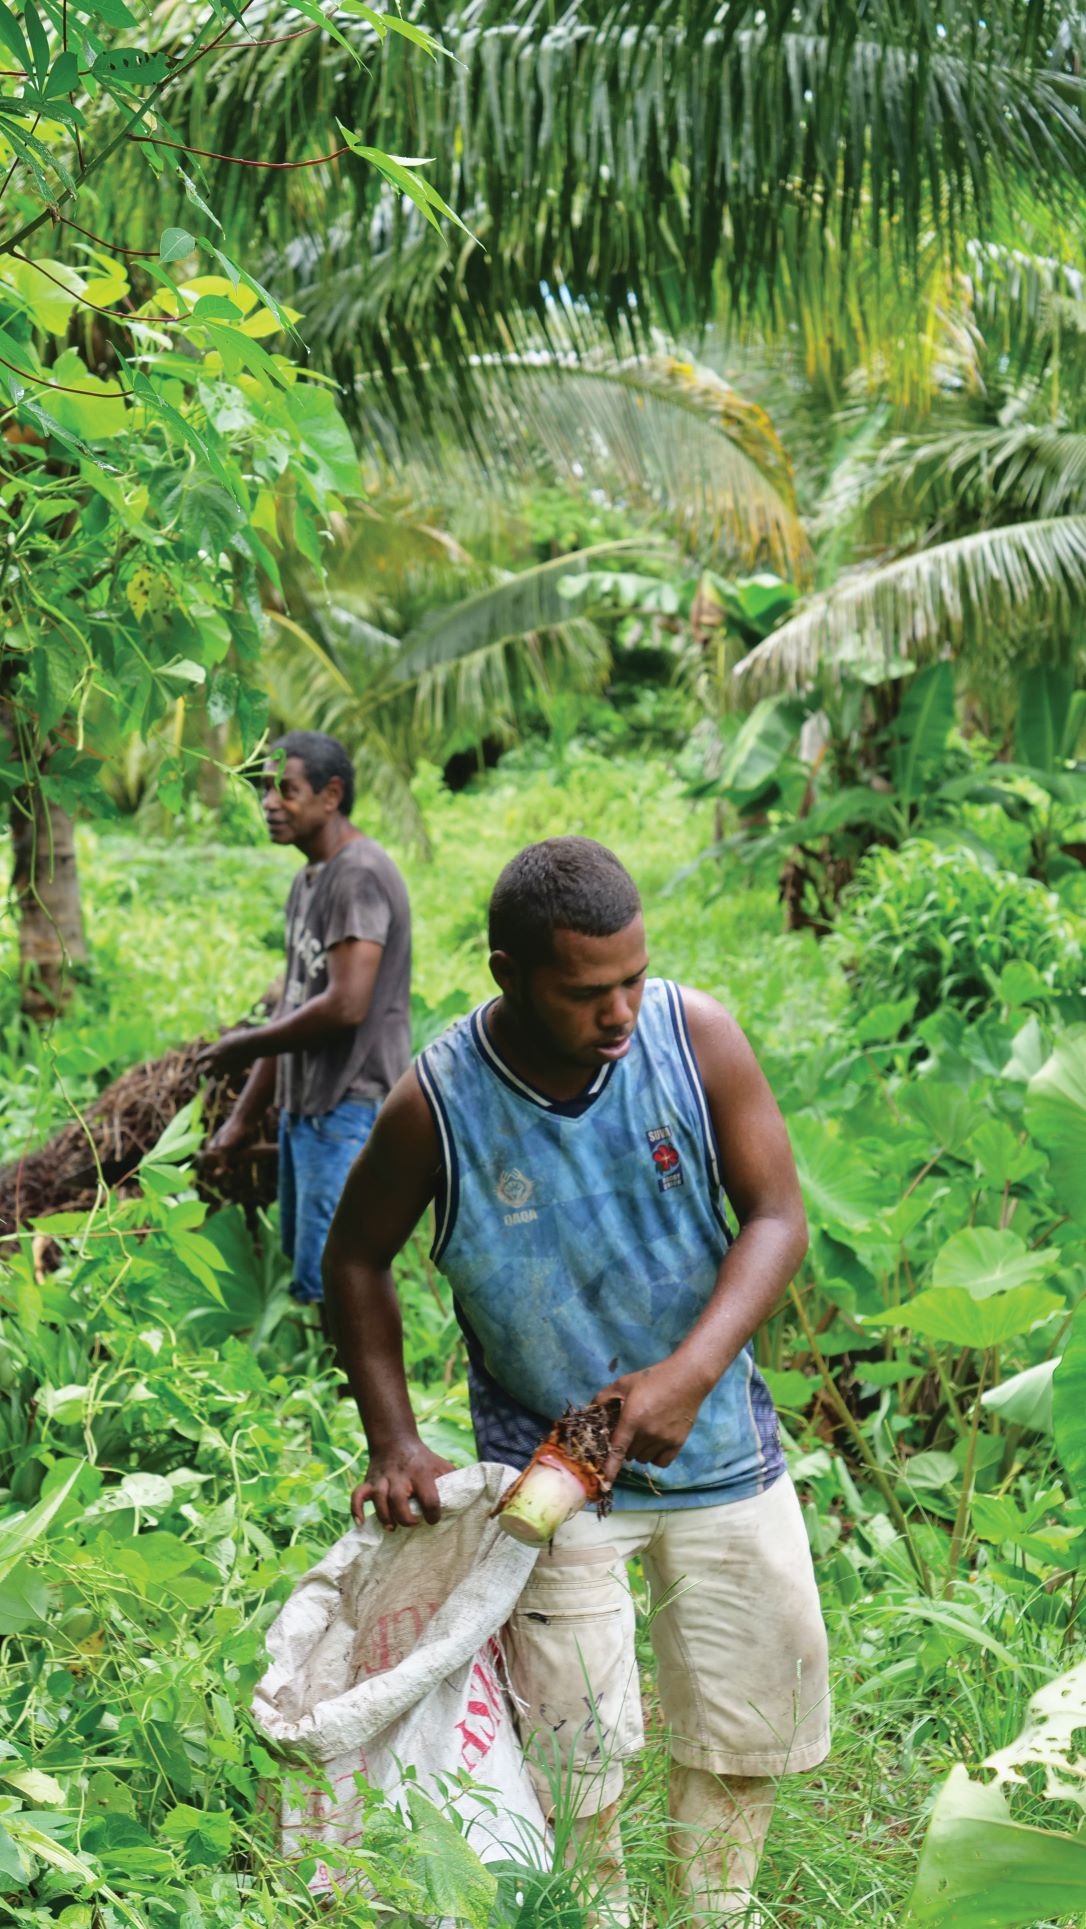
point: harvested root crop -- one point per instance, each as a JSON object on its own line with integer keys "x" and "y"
{"x": 564, "y": 1473}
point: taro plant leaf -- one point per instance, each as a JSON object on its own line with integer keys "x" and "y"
{"x": 754, "y": 602}
{"x": 930, "y": 1470}
{"x": 999, "y": 1157}
{"x": 1025, "y": 1399}
{"x": 1056, "y": 1116}
{"x": 789, "y": 1387}
{"x": 1028, "y": 1053}
{"x": 951, "y": 1314}
{"x": 979, "y": 1869}
{"x": 984, "y": 1261}
{"x": 884, "y": 1022}
{"x": 838, "y": 1189}
{"x": 1069, "y": 1402}
{"x": 455, "y": 1882}
{"x": 1049, "y": 1740}
{"x": 999, "y": 1519}
{"x": 949, "y": 1114}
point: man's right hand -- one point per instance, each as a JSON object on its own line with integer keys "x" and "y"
{"x": 396, "y": 1477}
{"x": 233, "y": 1135}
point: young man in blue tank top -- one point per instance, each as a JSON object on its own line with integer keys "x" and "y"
{"x": 583, "y": 1139}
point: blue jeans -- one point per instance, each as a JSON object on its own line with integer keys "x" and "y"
{"x": 315, "y": 1156}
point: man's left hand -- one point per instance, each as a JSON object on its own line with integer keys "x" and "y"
{"x": 659, "y": 1407}
{"x": 229, "y": 1053}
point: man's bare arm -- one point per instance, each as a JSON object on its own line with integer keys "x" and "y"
{"x": 389, "y": 1188}
{"x": 352, "y": 974}
{"x": 661, "y": 1403}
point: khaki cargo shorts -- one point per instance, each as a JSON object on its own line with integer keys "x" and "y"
{"x": 737, "y": 1631}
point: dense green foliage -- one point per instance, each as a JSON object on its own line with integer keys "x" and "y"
{"x": 786, "y": 604}
{"x": 164, "y": 1370}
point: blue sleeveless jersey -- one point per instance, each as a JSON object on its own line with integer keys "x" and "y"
{"x": 582, "y": 1239}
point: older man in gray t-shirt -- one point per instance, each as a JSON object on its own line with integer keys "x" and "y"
{"x": 341, "y": 1033}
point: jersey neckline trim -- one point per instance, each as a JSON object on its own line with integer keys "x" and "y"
{"x": 571, "y": 1108}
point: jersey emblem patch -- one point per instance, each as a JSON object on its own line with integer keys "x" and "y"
{"x": 513, "y": 1189}
{"x": 665, "y": 1157}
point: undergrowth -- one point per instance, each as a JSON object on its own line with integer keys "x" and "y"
{"x": 174, "y": 1452}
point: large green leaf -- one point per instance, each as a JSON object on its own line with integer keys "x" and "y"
{"x": 1056, "y": 1116}
{"x": 764, "y": 738}
{"x": 979, "y": 1869}
{"x": 50, "y": 290}
{"x": 1025, "y": 1399}
{"x": 1044, "y": 702}
{"x": 324, "y": 437}
{"x": 951, "y": 1314}
{"x": 838, "y": 1189}
{"x": 457, "y": 1885}
{"x": 98, "y": 412}
{"x": 948, "y": 1113}
{"x": 1069, "y": 1402}
{"x": 922, "y": 727}
{"x": 984, "y": 1261}
{"x": 24, "y": 1599}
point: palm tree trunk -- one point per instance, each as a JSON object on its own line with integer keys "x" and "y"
{"x": 45, "y": 885}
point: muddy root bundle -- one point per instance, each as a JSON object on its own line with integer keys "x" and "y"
{"x": 108, "y": 1142}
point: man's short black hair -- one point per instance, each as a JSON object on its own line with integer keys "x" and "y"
{"x": 563, "y": 884}
{"x": 322, "y": 758}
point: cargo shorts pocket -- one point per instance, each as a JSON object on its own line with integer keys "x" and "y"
{"x": 570, "y": 1650}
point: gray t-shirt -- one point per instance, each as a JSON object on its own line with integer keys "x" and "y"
{"x": 358, "y": 893}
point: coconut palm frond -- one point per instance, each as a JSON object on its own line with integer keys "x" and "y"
{"x": 634, "y": 155}
{"x": 520, "y": 605}
{"x": 658, "y": 432}
{"x": 485, "y": 690}
{"x": 463, "y": 674}
{"x": 1018, "y": 293}
{"x": 991, "y": 582}
{"x": 1036, "y": 472}
{"x": 1042, "y": 471}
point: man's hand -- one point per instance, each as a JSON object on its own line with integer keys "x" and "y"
{"x": 659, "y": 1407}
{"x": 233, "y": 1135}
{"x": 395, "y": 1477}
{"x": 230, "y": 1052}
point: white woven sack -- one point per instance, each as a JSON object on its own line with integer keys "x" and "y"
{"x": 385, "y": 1658}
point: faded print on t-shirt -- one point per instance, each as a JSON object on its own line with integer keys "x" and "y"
{"x": 358, "y": 893}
